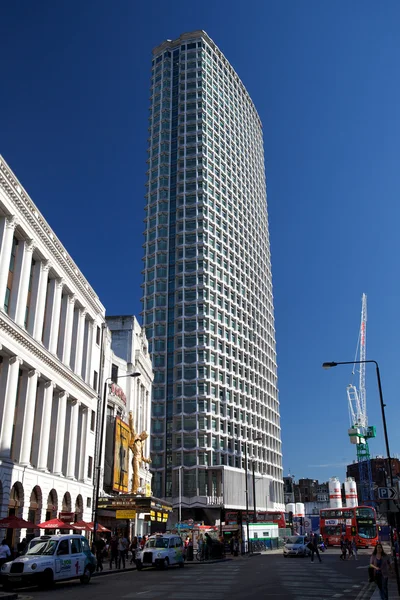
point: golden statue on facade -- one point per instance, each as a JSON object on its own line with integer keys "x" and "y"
{"x": 136, "y": 445}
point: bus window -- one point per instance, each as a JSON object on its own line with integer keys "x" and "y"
{"x": 366, "y": 513}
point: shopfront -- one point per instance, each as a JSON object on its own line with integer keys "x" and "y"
{"x": 135, "y": 515}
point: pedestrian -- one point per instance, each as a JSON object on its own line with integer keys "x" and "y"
{"x": 314, "y": 547}
{"x": 122, "y": 547}
{"x": 209, "y": 543}
{"x": 22, "y": 547}
{"x": 349, "y": 547}
{"x": 99, "y": 546}
{"x": 380, "y": 562}
{"x": 113, "y": 551}
{"x": 200, "y": 546}
{"x": 235, "y": 546}
{"x": 354, "y": 547}
{"x": 5, "y": 552}
{"x": 143, "y": 541}
{"x": 133, "y": 548}
{"x": 343, "y": 549}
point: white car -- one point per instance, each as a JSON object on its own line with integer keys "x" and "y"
{"x": 161, "y": 551}
{"x": 296, "y": 545}
{"x": 50, "y": 558}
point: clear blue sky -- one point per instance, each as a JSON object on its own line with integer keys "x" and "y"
{"x": 325, "y": 79}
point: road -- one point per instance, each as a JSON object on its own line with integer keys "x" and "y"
{"x": 259, "y": 577}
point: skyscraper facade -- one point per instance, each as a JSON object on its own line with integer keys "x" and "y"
{"x": 207, "y": 290}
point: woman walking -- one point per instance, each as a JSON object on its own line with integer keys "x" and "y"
{"x": 380, "y": 562}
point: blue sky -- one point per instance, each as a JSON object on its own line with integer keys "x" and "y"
{"x": 324, "y": 77}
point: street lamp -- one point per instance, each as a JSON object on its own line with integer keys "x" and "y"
{"x": 100, "y": 445}
{"x": 329, "y": 365}
{"x": 257, "y": 439}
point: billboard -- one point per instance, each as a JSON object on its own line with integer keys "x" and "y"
{"x": 121, "y": 457}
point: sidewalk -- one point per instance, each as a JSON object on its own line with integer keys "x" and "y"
{"x": 393, "y": 594}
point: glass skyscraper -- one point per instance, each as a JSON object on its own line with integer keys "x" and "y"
{"x": 207, "y": 290}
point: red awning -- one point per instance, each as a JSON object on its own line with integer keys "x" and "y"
{"x": 54, "y": 524}
{"x": 13, "y": 522}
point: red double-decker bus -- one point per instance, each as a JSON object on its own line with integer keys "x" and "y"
{"x": 346, "y": 523}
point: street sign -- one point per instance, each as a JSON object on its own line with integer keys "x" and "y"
{"x": 387, "y": 493}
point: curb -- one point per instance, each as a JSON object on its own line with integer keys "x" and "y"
{"x": 8, "y": 596}
{"x": 111, "y": 572}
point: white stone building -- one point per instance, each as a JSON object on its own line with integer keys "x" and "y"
{"x": 50, "y": 337}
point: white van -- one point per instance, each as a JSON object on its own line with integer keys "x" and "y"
{"x": 161, "y": 551}
{"x": 50, "y": 558}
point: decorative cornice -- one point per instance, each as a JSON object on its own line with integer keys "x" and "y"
{"x": 19, "y": 336}
{"x": 26, "y": 207}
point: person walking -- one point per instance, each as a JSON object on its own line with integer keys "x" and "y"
{"x": 380, "y": 562}
{"x": 22, "y": 547}
{"x": 133, "y": 548}
{"x": 5, "y": 552}
{"x": 354, "y": 547}
{"x": 314, "y": 547}
{"x": 349, "y": 547}
{"x": 99, "y": 546}
{"x": 122, "y": 547}
{"x": 114, "y": 551}
{"x": 343, "y": 548}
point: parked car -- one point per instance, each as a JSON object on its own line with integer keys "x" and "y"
{"x": 161, "y": 551}
{"x": 50, "y": 558}
{"x": 296, "y": 545}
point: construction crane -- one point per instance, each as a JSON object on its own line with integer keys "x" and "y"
{"x": 359, "y": 431}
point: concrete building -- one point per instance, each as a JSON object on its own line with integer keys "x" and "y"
{"x": 50, "y": 336}
{"x": 207, "y": 291}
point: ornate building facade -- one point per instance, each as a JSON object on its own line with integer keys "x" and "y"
{"x": 50, "y": 337}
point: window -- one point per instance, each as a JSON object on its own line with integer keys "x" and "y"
{"x": 63, "y": 548}
{"x": 92, "y": 420}
{"x": 114, "y": 373}
{"x": 90, "y": 467}
{"x": 88, "y": 502}
{"x": 76, "y": 546}
{"x": 95, "y": 380}
{"x": 98, "y": 336}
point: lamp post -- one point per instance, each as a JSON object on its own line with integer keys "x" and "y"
{"x": 100, "y": 448}
{"x": 257, "y": 439}
{"x": 329, "y": 365}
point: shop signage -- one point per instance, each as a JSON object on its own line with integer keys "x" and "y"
{"x": 67, "y": 517}
{"x": 125, "y": 514}
{"x": 115, "y": 390}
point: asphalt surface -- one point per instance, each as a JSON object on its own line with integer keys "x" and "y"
{"x": 260, "y": 577}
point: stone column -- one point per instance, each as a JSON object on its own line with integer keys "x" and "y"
{"x": 38, "y": 302}
{"x": 45, "y": 426}
{"x": 55, "y": 316}
{"x": 29, "y": 417}
{"x": 60, "y": 433}
{"x": 7, "y": 227}
{"x": 22, "y": 272}
{"x": 69, "y": 321}
{"x": 89, "y": 351}
{"x": 8, "y": 397}
{"x": 80, "y": 332}
{"x": 83, "y": 446}
{"x": 73, "y": 439}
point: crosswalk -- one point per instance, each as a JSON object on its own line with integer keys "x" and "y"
{"x": 197, "y": 583}
{"x": 305, "y": 580}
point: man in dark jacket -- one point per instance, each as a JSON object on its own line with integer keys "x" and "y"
{"x": 314, "y": 547}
